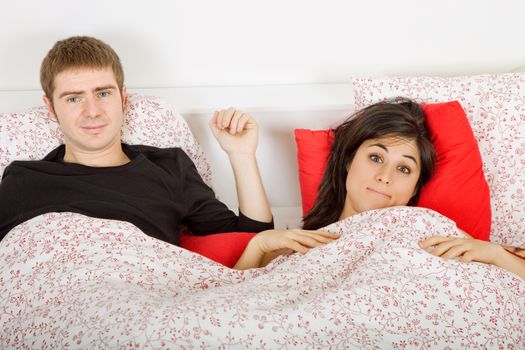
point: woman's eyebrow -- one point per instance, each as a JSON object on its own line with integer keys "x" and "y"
{"x": 380, "y": 145}
{"x": 410, "y": 157}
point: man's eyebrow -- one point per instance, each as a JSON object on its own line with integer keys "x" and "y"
{"x": 106, "y": 87}
{"x": 66, "y": 93}
{"x": 380, "y": 145}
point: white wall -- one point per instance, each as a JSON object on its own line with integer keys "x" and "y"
{"x": 238, "y": 42}
{"x": 290, "y": 61}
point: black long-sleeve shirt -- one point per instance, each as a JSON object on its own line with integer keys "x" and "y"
{"x": 159, "y": 191}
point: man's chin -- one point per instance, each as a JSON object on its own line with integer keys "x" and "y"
{"x": 92, "y": 146}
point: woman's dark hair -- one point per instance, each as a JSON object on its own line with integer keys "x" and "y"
{"x": 398, "y": 118}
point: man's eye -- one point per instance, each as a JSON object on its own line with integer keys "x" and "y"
{"x": 72, "y": 99}
{"x": 103, "y": 94}
{"x": 375, "y": 158}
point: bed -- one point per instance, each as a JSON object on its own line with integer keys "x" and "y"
{"x": 72, "y": 281}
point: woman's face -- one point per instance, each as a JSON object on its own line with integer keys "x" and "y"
{"x": 383, "y": 173}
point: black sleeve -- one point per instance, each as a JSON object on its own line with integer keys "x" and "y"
{"x": 11, "y": 206}
{"x": 206, "y": 214}
{"x": 249, "y": 225}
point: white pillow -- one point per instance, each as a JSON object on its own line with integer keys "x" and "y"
{"x": 148, "y": 121}
{"x": 495, "y": 107}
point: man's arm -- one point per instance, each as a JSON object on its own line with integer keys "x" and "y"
{"x": 237, "y": 134}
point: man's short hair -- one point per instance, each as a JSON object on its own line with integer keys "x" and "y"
{"x": 78, "y": 52}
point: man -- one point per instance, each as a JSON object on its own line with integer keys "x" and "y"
{"x": 158, "y": 190}
{"x": 93, "y": 173}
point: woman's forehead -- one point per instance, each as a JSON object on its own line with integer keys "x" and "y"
{"x": 397, "y": 142}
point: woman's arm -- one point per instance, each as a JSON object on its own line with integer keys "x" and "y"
{"x": 515, "y": 250}
{"x": 513, "y": 262}
{"x": 268, "y": 245}
{"x": 469, "y": 249}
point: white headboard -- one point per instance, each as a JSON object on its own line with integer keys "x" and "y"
{"x": 279, "y": 110}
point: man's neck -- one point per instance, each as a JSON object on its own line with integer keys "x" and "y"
{"x": 112, "y": 156}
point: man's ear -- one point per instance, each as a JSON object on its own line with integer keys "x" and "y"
{"x": 124, "y": 96}
{"x": 50, "y": 109}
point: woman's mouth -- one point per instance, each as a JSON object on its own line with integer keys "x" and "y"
{"x": 379, "y": 193}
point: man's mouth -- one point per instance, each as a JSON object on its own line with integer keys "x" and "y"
{"x": 93, "y": 129}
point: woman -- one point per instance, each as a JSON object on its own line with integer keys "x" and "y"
{"x": 381, "y": 157}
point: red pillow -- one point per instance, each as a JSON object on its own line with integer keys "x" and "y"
{"x": 457, "y": 190}
{"x": 224, "y": 248}
{"x": 313, "y": 149}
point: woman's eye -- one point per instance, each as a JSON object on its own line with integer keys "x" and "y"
{"x": 404, "y": 169}
{"x": 375, "y": 158}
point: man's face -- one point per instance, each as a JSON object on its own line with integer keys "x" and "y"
{"x": 89, "y": 108}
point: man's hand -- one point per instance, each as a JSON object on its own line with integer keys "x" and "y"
{"x": 237, "y": 132}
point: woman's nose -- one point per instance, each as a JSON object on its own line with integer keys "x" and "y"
{"x": 384, "y": 176}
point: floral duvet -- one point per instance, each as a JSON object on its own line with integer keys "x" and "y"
{"x": 71, "y": 281}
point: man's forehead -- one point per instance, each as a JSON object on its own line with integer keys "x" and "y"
{"x": 84, "y": 78}
{"x": 79, "y": 70}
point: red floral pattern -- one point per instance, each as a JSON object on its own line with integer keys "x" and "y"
{"x": 495, "y": 106}
{"x": 148, "y": 121}
{"x": 71, "y": 281}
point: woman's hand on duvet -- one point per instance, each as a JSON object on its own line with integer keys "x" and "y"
{"x": 288, "y": 241}
{"x": 466, "y": 249}
{"x": 268, "y": 245}
{"x": 470, "y": 249}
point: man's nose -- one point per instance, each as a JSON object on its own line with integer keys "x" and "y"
{"x": 91, "y": 108}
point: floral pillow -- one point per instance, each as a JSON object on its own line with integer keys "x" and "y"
{"x": 33, "y": 134}
{"x": 495, "y": 107}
